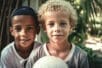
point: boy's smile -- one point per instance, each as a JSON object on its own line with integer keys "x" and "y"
{"x": 23, "y": 30}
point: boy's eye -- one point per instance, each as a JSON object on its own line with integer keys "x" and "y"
{"x": 51, "y": 24}
{"x": 63, "y": 24}
{"x": 18, "y": 28}
{"x": 29, "y": 28}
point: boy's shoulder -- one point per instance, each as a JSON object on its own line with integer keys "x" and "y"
{"x": 7, "y": 51}
{"x": 36, "y": 54}
{"x": 37, "y": 51}
{"x": 80, "y": 52}
{"x": 37, "y": 47}
{"x": 8, "y": 48}
{"x": 37, "y": 44}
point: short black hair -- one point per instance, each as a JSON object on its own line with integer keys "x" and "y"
{"x": 26, "y": 10}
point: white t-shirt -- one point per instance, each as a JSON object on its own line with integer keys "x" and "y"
{"x": 11, "y": 59}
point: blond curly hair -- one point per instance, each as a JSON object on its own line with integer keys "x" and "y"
{"x": 58, "y": 5}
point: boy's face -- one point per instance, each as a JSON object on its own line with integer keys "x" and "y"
{"x": 23, "y": 30}
{"x": 57, "y": 26}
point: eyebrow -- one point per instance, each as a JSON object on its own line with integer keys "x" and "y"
{"x": 25, "y": 25}
{"x": 29, "y": 25}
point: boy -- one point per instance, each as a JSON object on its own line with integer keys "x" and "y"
{"x": 24, "y": 27}
{"x": 58, "y": 18}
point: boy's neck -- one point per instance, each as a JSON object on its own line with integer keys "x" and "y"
{"x": 59, "y": 50}
{"x": 59, "y": 47}
{"x": 24, "y": 52}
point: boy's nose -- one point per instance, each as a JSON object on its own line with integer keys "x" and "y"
{"x": 57, "y": 28}
{"x": 23, "y": 32}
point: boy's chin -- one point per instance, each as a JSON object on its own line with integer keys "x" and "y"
{"x": 25, "y": 46}
{"x": 57, "y": 41}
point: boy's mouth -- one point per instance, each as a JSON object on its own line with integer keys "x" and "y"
{"x": 24, "y": 40}
{"x": 57, "y": 34}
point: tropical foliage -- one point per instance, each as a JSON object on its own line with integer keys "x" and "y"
{"x": 89, "y": 19}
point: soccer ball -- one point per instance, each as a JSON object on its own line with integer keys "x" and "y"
{"x": 50, "y": 62}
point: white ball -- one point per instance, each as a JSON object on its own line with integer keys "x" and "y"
{"x": 50, "y": 62}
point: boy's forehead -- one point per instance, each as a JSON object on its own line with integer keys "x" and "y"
{"x": 22, "y": 19}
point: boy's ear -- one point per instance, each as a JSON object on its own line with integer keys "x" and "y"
{"x": 11, "y": 31}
